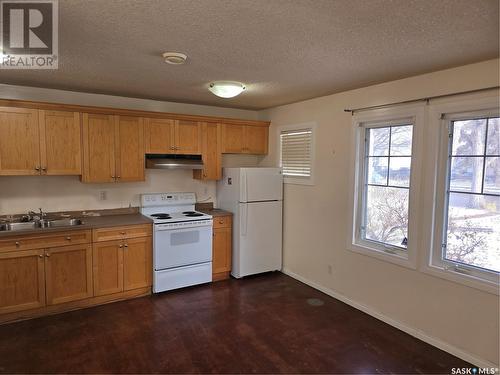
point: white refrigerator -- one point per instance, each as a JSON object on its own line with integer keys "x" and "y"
{"x": 255, "y": 197}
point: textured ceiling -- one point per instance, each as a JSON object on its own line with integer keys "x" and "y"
{"x": 284, "y": 50}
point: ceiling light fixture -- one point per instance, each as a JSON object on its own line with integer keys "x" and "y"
{"x": 226, "y": 89}
{"x": 174, "y": 58}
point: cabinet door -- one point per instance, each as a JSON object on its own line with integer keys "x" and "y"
{"x": 137, "y": 263}
{"x": 107, "y": 260}
{"x": 233, "y": 139}
{"x": 68, "y": 273}
{"x": 129, "y": 143}
{"x": 159, "y": 136}
{"x": 211, "y": 153}
{"x": 22, "y": 281}
{"x": 60, "y": 143}
{"x": 256, "y": 139}
{"x": 187, "y": 137}
{"x": 19, "y": 141}
{"x": 98, "y": 148}
{"x": 221, "y": 250}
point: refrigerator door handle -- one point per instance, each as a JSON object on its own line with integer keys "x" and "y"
{"x": 244, "y": 187}
{"x": 244, "y": 219}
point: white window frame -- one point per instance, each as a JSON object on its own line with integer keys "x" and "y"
{"x": 436, "y": 178}
{"x": 398, "y": 115}
{"x": 303, "y": 126}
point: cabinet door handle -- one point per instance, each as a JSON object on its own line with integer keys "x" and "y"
{"x": 118, "y": 177}
{"x": 47, "y": 255}
{"x": 40, "y": 255}
{"x": 37, "y": 168}
{"x": 113, "y": 177}
{"x": 68, "y": 238}
{"x": 17, "y": 244}
{"x": 122, "y": 233}
{"x": 44, "y": 169}
{"x": 126, "y": 245}
{"x": 120, "y": 246}
{"x": 221, "y": 221}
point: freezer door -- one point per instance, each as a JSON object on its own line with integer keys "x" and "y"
{"x": 260, "y": 232}
{"x": 261, "y": 184}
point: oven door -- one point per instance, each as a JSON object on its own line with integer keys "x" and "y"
{"x": 182, "y": 246}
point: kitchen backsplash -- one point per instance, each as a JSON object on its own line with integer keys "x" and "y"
{"x": 53, "y": 193}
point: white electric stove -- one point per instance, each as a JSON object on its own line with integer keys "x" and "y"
{"x": 182, "y": 240}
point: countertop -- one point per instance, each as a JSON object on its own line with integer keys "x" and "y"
{"x": 215, "y": 212}
{"x": 89, "y": 222}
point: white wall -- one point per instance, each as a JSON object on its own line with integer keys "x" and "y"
{"x": 19, "y": 194}
{"x": 458, "y": 318}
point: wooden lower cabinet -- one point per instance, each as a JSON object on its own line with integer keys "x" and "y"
{"x": 47, "y": 280}
{"x": 22, "y": 280}
{"x": 122, "y": 265}
{"x": 221, "y": 248}
{"x": 137, "y": 263}
{"x": 108, "y": 267}
{"x": 68, "y": 273}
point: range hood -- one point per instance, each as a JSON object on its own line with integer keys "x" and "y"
{"x": 166, "y": 161}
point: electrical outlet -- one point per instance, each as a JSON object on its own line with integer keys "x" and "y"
{"x": 103, "y": 195}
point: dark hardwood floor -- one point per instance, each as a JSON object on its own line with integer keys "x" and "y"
{"x": 263, "y": 324}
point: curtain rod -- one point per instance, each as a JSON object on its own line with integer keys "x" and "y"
{"x": 426, "y": 99}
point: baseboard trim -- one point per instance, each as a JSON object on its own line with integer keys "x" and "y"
{"x": 479, "y": 362}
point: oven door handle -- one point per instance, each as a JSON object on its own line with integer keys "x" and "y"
{"x": 158, "y": 228}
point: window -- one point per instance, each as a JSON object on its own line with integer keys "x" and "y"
{"x": 296, "y": 153}
{"x": 471, "y": 220}
{"x": 386, "y": 187}
{"x": 383, "y": 224}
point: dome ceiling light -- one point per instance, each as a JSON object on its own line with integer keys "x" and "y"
{"x": 226, "y": 89}
{"x": 174, "y": 58}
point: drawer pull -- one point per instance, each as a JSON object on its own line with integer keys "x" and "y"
{"x": 122, "y": 233}
{"x": 68, "y": 238}
{"x": 221, "y": 221}
{"x": 17, "y": 244}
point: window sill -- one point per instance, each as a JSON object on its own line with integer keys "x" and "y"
{"x": 298, "y": 181}
{"x": 464, "y": 279}
{"x": 374, "y": 252}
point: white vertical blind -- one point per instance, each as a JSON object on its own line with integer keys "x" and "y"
{"x": 296, "y": 150}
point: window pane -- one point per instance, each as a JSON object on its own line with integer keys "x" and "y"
{"x": 377, "y": 170}
{"x": 387, "y": 215}
{"x": 493, "y": 147}
{"x": 401, "y": 138}
{"x": 492, "y": 176}
{"x": 399, "y": 173}
{"x": 379, "y": 141}
{"x": 469, "y": 137}
{"x": 466, "y": 174}
{"x": 473, "y": 233}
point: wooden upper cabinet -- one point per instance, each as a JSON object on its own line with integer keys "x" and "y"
{"x": 129, "y": 143}
{"x": 256, "y": 139}
{"x": 19, "y": 141}
{"x": 98, "y": 148}
{"x": 60, "y": 143}
{"x": 68, "y": 273}
{"x": 113, "y": 148}
{"x": 233, "y": 139}
{"x": 244, "y": 139}
{"x": 22, "y": 280}
{"x": 187, "y": 137}
{"x": 159, "y": 136}
{"x": 211, "y": 151}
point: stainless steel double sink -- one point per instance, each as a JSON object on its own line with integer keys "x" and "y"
{"x": 40, "y": 224}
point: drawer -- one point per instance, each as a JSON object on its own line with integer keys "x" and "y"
{"x": 45, "y": 240}
{"x": 120, "y": 233}
{"x": 222, "y": 221}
